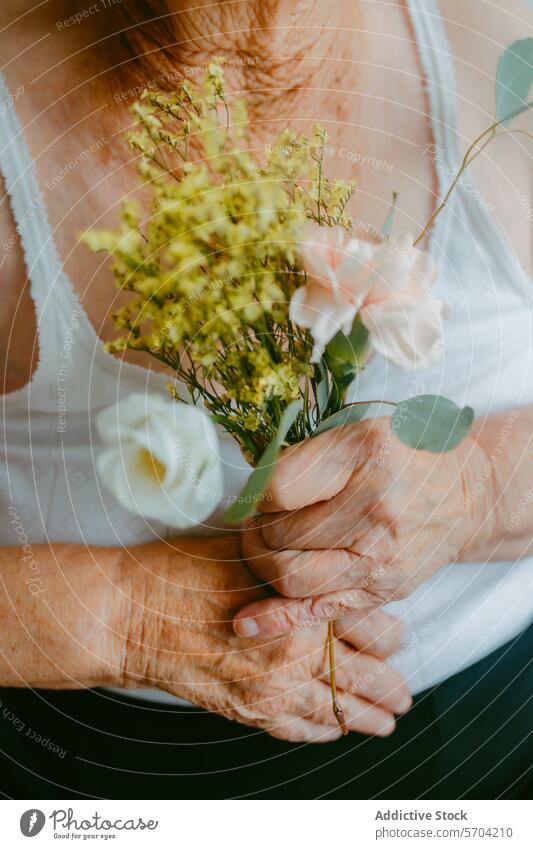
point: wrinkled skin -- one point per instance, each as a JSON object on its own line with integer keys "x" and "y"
{"x": 355, "y": 520}
{"x": 181, "y": 640}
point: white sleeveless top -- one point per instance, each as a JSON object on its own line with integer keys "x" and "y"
{"x": 47, "y": 463}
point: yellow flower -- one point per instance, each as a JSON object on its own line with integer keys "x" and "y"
{"x": 213, "y": 268}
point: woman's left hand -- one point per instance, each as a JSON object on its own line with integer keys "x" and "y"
{"x": 354, "y": 519}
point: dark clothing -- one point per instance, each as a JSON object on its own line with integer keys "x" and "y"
{"x": 469, "y": 737}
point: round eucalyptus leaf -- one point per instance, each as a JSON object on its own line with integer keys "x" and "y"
{"x": 514, "y": 77}
{"x": 431, "y": 423}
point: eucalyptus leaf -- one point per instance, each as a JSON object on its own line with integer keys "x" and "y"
{"x": 514, "y": 77}
{"x": 348, "y": 415}
{"x": 431, "y": 423}
{"x": 245, "y": 503}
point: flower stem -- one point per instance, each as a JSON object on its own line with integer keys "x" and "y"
{"x": 337, "y": 710}
{"x": 467, "y": 159}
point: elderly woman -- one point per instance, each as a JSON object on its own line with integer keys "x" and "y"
{"x": 125, "y": 651}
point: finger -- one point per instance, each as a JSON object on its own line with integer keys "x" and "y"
{"x": 298, "y": 730}
{"x": 365, "y": 676}
{"x": 316, "y": 469}
{"x": 360, "y": 715}
{"x": 294, "y": 573}
{"x": 336, "y": 523}
{"x": 375, "y": 633}
{"x": 281, "y": 617}
{"x": 276, "y": 617}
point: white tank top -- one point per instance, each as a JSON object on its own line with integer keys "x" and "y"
{"x": 47, "y": 467}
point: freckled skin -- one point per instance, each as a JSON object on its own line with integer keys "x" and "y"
{"x": 354, "y": 519}
{"x": 91, "y": 625}
{"x": 280, "y": 685}
{"x": 161, "y": 615}
{"x": 280, "y": 92}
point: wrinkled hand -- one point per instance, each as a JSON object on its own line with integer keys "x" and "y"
{"x": 184, "y": 595}
{"x": 354, "y": 519}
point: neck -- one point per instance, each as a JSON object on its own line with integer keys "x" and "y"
{"x": 271, "y": 47}
{"x": 274, "y": 50}
{"x": 258, "y": 28}
{"x": 284, "y": 56}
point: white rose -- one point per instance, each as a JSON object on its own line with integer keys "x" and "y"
{"x": 162, "y": 459}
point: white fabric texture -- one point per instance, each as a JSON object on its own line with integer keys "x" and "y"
{"x": 47, "y": 465}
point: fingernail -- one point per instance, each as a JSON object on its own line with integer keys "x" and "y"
{"x": 387, "y": 728}
{"x": 246, "y": 627}
{"x": 405, "y": 704}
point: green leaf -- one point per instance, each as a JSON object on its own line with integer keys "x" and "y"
{"x": 431, "y": 423}
{"x": 349, "y": 414}
{"x": 514, "y": 76}
{"x": 321, "y": 386}
{"x": 387, "y": 224}
{"x": 245, "y": 503}
{"x": 345, "y": 353}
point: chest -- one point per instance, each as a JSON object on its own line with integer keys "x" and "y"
{"x": 376, "y": 116}
{"x": 360, "y": 147}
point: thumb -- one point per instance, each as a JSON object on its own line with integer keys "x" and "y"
{"x": 277, "y": 617}
{"x": 314, "y": 470}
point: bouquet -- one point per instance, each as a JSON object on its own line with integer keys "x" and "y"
{"x": 246, "y": 282}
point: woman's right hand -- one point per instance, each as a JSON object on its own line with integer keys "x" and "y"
{"x": 183, "y": 596}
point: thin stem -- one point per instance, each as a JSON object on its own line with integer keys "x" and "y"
{"x": 319, "y": 200}
{"x": 514, "y": 133}
{"x": 491, "y": 132}
{"x": 375, "y": 401}
{"x": 306, "y": 406}
{"x": 455, "y": 180}
{"x": 337, "y": 710}
{"x": 319, "y": 193}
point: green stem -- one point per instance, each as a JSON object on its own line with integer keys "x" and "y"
{"x": 307, "y": 423}
{"x": 491, "y": 132}
{"x": 372, "y": 401}
{"x": 319, "y": 193}
{"x": 455, "y": 180}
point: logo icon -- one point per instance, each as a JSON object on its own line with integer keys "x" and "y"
{"x": 32, "y": 822}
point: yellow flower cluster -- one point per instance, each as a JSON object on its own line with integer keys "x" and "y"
{"x": 213, "y": 263}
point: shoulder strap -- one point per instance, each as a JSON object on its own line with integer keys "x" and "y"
{"x": 27, "y": 201}
{"x": 50, "y": 289}
{"x": 437, "y": 62}
{"x": 438, "y": 66}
